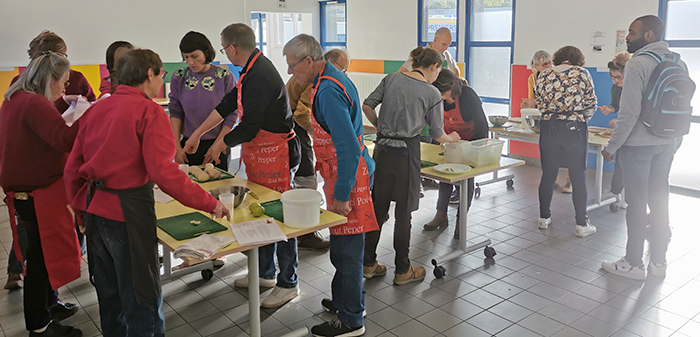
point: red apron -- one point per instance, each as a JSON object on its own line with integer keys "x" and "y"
{"x": 239, "y": 85}
{"x": 59, "y": 242}
{"x": 361, "y": 218}
{"x": 266, "y": 159}
{"x": 454, "y": 122}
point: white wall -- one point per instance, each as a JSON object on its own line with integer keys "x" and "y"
{"x": 550, "y": 25}
{"x": 89, "y": 26}
{"x": 381, "y": 29}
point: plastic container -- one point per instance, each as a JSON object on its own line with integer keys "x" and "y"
{"x": 301, "y": 207}
{"x": 454, "y": 154}
{"x": 482, "y": 152}
{"x": 227, "y": 200}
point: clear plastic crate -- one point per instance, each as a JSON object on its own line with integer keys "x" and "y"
{"x": 482, "y": 152}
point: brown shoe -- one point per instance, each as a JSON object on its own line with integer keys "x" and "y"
{"x": 14, "y": 282}
{"x": 375, "y": 270}
{"x": 313, "y": 241}
{"x": 412, "y": 275}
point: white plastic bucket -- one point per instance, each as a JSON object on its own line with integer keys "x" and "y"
{"x": 301, "y": 207}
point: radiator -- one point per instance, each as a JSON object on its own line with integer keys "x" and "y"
{"x": 365, "y": 84}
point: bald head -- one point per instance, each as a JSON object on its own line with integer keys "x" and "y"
{"x": 338, "y": 58}
{"x": 442, "y": 41}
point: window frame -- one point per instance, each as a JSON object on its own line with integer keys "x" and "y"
{"x": 422, "y": 42}
{"x": 322, "y": 12}
{"x": 469, "y": 43}
{"x": 260, "y": 42}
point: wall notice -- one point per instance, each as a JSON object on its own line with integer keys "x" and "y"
{"x": 620, "y": 42}
{"x": 598, "y": 40}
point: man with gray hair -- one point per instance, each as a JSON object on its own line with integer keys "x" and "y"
{"x": 270, "y": 150}
{"x": 442, "y": 41}
{"x": 347, "y": 170}
{"x": 338, "y": 59}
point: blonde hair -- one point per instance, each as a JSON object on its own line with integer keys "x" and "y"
{"x": 47, "y": 41}
{"x": 619, "y": 61}
{"x": 42, "y": 69}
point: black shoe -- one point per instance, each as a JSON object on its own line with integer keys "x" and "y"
{"x": 327, "y": 305}
{"x": 55, "y": 329}
{"x": 335, "y": 328}
{"x": 61, "y": 310}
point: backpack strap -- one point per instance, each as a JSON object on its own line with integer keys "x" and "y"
{"x": 654, "y": 55}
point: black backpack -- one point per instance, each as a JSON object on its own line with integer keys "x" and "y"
{"x": 666, "y": 106}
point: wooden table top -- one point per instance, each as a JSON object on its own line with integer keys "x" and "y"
{"x": 164, "y": 101}
{"x": 240, "y": 214}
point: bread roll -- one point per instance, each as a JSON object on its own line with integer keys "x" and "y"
{"x": 208, "y": 166}
{"x": 194, "y": 170}
{"x": 202, "y": 176}
{"x": 212, "y": 172}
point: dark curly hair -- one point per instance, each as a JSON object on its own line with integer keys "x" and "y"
{"x": 573, "y": 55}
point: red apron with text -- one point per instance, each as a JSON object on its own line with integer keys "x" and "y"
{"x": 454, "y": 122}
{"x": 361, "y": 218}
{"x": 59, "y": 243}
{"x": 266, "y": 159}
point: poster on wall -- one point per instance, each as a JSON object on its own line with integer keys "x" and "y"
{"x": 282, "y": 3}
{"x": 620, "y": 43}
{"x": 598, "y": 40}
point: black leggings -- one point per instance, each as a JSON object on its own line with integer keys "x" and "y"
{"x": 445, "y": 191}
{"x": 564, "y": 144}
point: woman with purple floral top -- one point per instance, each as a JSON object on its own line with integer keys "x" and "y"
{"x": 195, "y": 91}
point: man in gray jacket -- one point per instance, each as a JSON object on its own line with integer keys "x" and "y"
{"x": 645, "y": 159}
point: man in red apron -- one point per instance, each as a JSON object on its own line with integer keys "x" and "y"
{"x": 270, "y": 150}
{"x": 347, "y": 170}
{"x": 124, "y": 146}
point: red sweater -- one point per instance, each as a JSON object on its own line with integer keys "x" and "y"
{"x": 34, "y": 141}
{"x": 126, "y": 140}
{"x": 78, "y": 85}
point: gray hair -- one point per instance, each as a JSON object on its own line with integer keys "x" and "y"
{"x": 302, "y": 46}
{"x": 43, "y": 68}
{"x": 239, "y": 35}
{"x": 540, "y": 56}
{"x": 333, "y": 55}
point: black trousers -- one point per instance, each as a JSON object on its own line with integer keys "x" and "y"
{"x": 616, "y": 185}
{"x": 563, "y": 144}
{"x": 198, "y": 157}
{"x": 391, "y": 183}
{"x": 37, "y": 289}
{"x": 445, "y": 191}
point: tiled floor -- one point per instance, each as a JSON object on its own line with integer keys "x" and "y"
{"x": 542, "y": 283}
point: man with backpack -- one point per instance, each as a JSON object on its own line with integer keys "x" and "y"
{"x": 654, "y": 114}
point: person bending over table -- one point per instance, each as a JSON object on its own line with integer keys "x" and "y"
{"x": 195, "y": 91}
{"x": 347, "y": 169}
{"x": 114, "y": 52}
{"x": 566, "y": 98}
{"x": 463, "y": 114}
{"x": 123, "y": 147}
{"x": 270, "y": 150}
{"x": 36, "y": 141}
{"x": 409, "y": 102}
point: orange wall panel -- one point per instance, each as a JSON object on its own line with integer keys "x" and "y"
{"x": 5, "y": 79}
{"x": 367, "y": 66}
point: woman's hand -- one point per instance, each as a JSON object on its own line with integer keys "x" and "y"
{"x": 528, "y": 103}
{"x": 220, "y": 211}
{"x": 607, "y": 109}
{"x": 192, "y": 144}
{"x": 341, "y": 207}
{"x": 612, "y": 123}
{"x": 216, "y": 149}
{"x": 180, "y": 156}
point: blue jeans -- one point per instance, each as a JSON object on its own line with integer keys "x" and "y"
{"x": 347, "y": 253}
{"x": 286, "y": 258}
{"x": 120, "y": 314}
{"x": 645, "y": 171}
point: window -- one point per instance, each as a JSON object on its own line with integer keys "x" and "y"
{"x": 683, "y": 37}
{"x": 435, "y": 14}
{"x": 258, "y": 21}
{"x": 333, "y": 24}
{"x": 489, "y": 52}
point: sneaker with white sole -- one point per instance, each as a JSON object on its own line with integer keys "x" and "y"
{"x": 264, "y": 283}
{"x": 335, "y": 328}
{"x": 280, "y": 296}
{"x": 625, "y": 269}
{"x": 327, "y": 305}
{"x": 657, "y": 269}
{"x": 584, "y": 231}
{"x": 543, "y": 223}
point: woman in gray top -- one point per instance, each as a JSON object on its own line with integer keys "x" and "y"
{"x": 409, "y": 102}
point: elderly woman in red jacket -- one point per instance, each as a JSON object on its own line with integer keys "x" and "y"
{"x": 35, "y": 141}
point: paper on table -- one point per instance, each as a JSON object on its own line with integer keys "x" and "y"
{"x": 161, "y": 196}
{"x": 257, "y": 231}
{"x": 76, "y": 110}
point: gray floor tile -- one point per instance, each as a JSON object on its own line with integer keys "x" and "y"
{"x": 510, "y": 311}
{"x": 391, "y": 295}
{"x": 414, "y": 307}
{"x": 530, "y": 301}
{"x": 197, "y": 311}
{"x": 465, "y": 329}
{"x": 560, "y": 313}
{"x": 517, "y": 331}
{"x": 228, "y": 300}
{"x": 183, "y": 331}
{"x": 665, "y": 318}
{"x": 482, "y": 298}
{"x": 542, "y": 325}
{"x": 414, "y": 329}
{"x": 578, "y": 302}
{"x": 389, "y": 318}
{"x": 439, "y": 320}
{"x": 489, "y": 322}
{"x": 691, "y": 328}
{"x": 594, "y": 326}
{"x": 643, "y": 327}
{"x": 502, "y": 289}
{"x": 570, "y": 332}
{"x": 212, "y": 324}
{"x": 457, "y": 287}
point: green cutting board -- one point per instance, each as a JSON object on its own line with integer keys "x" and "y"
{"x": 425, "y": 163}
{"x": 274, "y": 210}
{"x": 224, "y": 175}
{"x": 180, "y": 228}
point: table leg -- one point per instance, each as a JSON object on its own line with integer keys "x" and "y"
{"x": 254, "y": 292}
{"x": 167, "y": 263}
{"x": 599, "y": 175}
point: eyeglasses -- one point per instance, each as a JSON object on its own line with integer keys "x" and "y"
{"x": 343, "y": 69}
{"x": 619, "y": 78}
{"x": 295, "y": 64}
{"x": 223, "y": 50}
{"x": 163, "y": 73}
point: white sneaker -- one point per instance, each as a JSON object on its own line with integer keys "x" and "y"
{"x": 543, "y": 223}
{"x": 623, "y": 204}
{"x": 584, "y": 231}
{"x": 657, "y": 269}
{"x": 280, "y": 296}
{"x": 625, "y": 269}
{"x": 264, "y": 283}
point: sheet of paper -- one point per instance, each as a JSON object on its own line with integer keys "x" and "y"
{"x": 76, "y": 110}
{"x": 161, "y": 196}
{"x": 257, "y": 231}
